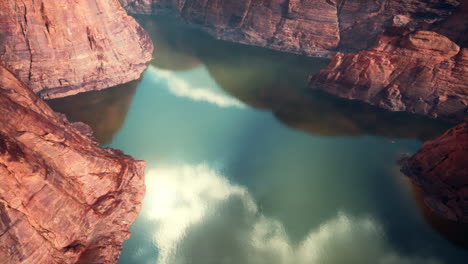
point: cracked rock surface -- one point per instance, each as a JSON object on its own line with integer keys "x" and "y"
{"x": 60, "y": 48}
{"x": 309, "y": 27}
{"x": 62, "y": 198}
{"x": 419, "y": 72}
{"x": 441, "y": 170}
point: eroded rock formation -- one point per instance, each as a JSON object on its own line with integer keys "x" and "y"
{"x": 420, "y": 72}
{"x": 62, "y": 199}
{"x": 441, "y": 170}
{"x": 60, "y": 48}
{"x": 307, "y": 27}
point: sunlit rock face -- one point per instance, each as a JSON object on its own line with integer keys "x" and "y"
{"x": 309, "y": 27}
{"x": 195, "y": 215}
{"x": 62, "y": 199}
{"x": 420, "y": 72}
{"x": 440, "y": 168}
{"x": 60, "y": 48}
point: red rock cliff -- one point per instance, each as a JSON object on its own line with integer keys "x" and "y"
{"x": 60, "y": 48}
{"x": 310, "y": 27}
{"x": 62, "y": 198}
{"x": 421, "y": 72}
{"x": 441, "y": 170}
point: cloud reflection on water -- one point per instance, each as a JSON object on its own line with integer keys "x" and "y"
{"x": 181, "y": 88}
{"x": 200, "y": 217}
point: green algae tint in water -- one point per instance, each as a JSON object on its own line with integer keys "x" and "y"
{"x": 245, "y": 166}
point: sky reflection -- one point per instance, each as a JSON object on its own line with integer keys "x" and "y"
{"x": 200, "y": 217}
{"x": 180, "y": 87}
{"x": 229, "y": 184}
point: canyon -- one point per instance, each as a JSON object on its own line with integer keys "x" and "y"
{"x": 63, "y": 199}
{"x": 60, "y": 48}
{"x": 381, "y": 50}
{"x": 313, "y": 28}
{"x": 404, "y": 56}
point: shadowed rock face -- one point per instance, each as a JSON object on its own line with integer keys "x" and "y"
{"x": 421, "y": 72}
{"x": 60, "y": 48}
{"x": 309, "y": 27}
{"x": 441, "y": 170}
{"x": 62, "y": 199}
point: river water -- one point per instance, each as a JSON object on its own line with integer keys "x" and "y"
{"x": 245, "y": 165}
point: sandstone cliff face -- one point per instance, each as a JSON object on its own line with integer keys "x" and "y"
{"x": 441, "y": 170}
{"x": 310, "y": 27}
{"x": 60, "y": 48}
{"x": 420, "y": 72}
{"x": 62, "y": 199}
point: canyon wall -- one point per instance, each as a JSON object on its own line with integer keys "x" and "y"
{"x": 60, "y": 48}
{"x": 309, "y": 27}
{"x": 62, "y": 198}
{"x": 419, "y": 72}
{"x": 441, "y": 170}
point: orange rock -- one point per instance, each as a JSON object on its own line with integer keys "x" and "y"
{"x": 62, "y": 198}
{"x": 420, "y": 72}
{"x": 309, "y": 27}
{"x": 60, "y": 48}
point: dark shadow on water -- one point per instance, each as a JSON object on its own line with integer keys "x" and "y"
{"x": 454, "y": 232}
{"x": 172, "y": 51}
{"x": 322, "y": 114}
{"x": 104, "y": 110}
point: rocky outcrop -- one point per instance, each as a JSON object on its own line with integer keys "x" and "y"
{"x": 420, "y": 72}
{"x": 310, "y": 27}
{"x": 62, "y": 199}
{"x": 441, "y": 170}
{"x": 60, "y": 48}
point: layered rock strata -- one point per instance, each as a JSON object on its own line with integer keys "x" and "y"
{"x": 310, "y": 27}
{"x": 419, "y": 72}
{"x": 441, "y": 170}
{"x": 60, "y": 48}
{"x": 62, "y": 198}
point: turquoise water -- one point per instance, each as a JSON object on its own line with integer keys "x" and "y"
{"x": 246, "y": 166}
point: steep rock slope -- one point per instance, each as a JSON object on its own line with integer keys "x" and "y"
{"x": 62, "y": 198}
{"x": 60, "y": 48}
{"x": 441, "y": 170}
